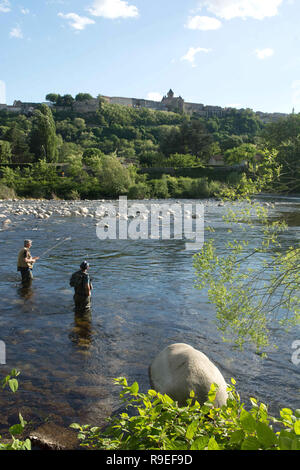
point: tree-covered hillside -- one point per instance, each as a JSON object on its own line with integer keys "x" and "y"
{"x": 124, "y": 139}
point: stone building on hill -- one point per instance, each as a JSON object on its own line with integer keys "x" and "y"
{"x": 169, "y": 103}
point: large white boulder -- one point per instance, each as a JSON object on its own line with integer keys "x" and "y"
{"x": 179, "y": 369}
{"x": 84, "y": 210}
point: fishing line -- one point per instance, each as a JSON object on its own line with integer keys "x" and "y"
{"x": 57, "y": 244}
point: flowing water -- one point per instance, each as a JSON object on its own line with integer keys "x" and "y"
{"x": 143, "y": 300}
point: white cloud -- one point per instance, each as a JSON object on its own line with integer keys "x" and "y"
{"x": 2, "y": 92}
{"x": 16, "y": 33}
{"x": 77, "y": 22}
{"x": 154, "y": 96}
{"x": 264, "y": 53}
{"x": 4, "y": 6}
{"x": 191, "y": 54}
{"x": 25, "y": 11}
{"x": 228, "y": 9}
{"x": 203, "y": 23}
{"x": 113, "y": 9}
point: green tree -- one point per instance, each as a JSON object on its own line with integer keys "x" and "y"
{"x": 249, "y": 297}
{"x": 69, "y": 148}
{"x": 191, "y": 137}
{"x": 68, "y": 130}
{"x": 284, "y": 136}
{"x": 83, "y": 97}
{"x": 228, "y": 141}
{"x": 5, "y": 152}
{"x": 79, "y": 123}
{"x": 65, "y": 100}
{"x": 52, "y": 97}
{"x": 43, "y": 135}
{"x": 75, "y": 167}
{"x": 114, "y": 178}
{"x": 91, "y": 152}
{"x": 19, "y": 141}
{"x": 244, "y": 153}
{"x": 178, "y": 160}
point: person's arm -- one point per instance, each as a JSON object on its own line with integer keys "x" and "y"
{"x": 87, "y": 289}
{"x": 88, "y": 286}
{"x": 31, "y": 259}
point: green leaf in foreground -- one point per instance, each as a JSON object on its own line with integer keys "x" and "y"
{"x": 13, "y": 384}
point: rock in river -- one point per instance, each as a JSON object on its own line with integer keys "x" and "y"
{"x": 50, "y": 436}
{"x": 179, "y": 369}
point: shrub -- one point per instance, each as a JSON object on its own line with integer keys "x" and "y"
{"x": 178, "y": 160}
{"x": 234, "y": 178}
{"x": 215, "y": 188}
{"x": 172, "y": 184}
{"x": 160, "y": 188}
{"x": 139, "y": 190}
{"x": 73, "y": 195}
{"x": 16, "y": 429}
{"x": 158, "y": 423}
{"x": 6, "y": 192}
{"x": 114, "y": 178}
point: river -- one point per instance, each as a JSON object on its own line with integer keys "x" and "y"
{"x": 143, "y": 300}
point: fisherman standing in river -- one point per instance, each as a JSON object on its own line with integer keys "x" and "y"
{"x": 81, "y": 282}
{"x": 26, "y": 262}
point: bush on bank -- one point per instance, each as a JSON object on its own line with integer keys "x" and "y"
{"x": 156, "y": 422}
{"x": 108, "y": 178}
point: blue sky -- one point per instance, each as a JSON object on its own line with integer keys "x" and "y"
{"x": 241, "y": 53}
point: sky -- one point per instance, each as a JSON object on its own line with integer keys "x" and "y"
{"x": 236, "y": 53}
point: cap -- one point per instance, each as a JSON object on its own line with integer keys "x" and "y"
{"x": 84, "y": 265}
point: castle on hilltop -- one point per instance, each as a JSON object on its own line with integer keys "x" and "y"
{"x": 169, "y": 103}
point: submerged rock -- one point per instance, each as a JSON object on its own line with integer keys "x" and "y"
{"x": 50, "y": 436}
{"x": 6, "y": 222}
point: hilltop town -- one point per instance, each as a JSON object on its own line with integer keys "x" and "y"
{"x": 169, "y": 103}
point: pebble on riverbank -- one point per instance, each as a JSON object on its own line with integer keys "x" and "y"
{"x": 46, "y": 209}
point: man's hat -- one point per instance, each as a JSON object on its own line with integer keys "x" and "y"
{"x": 84, "y": 265}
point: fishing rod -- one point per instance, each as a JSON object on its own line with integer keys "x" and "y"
{"x": 54, "y": 246}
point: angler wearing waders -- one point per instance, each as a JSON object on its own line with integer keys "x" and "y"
{"x": 26, "y": 262}
{"x": 81, "y": 282}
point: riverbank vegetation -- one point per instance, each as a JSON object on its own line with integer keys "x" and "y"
{"x": 153, "y": 421}
{"x": 142, "y": 153}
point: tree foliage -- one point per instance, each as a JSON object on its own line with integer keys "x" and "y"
{"x": 43, "y": 140}
{"x": 251, "y": 288}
